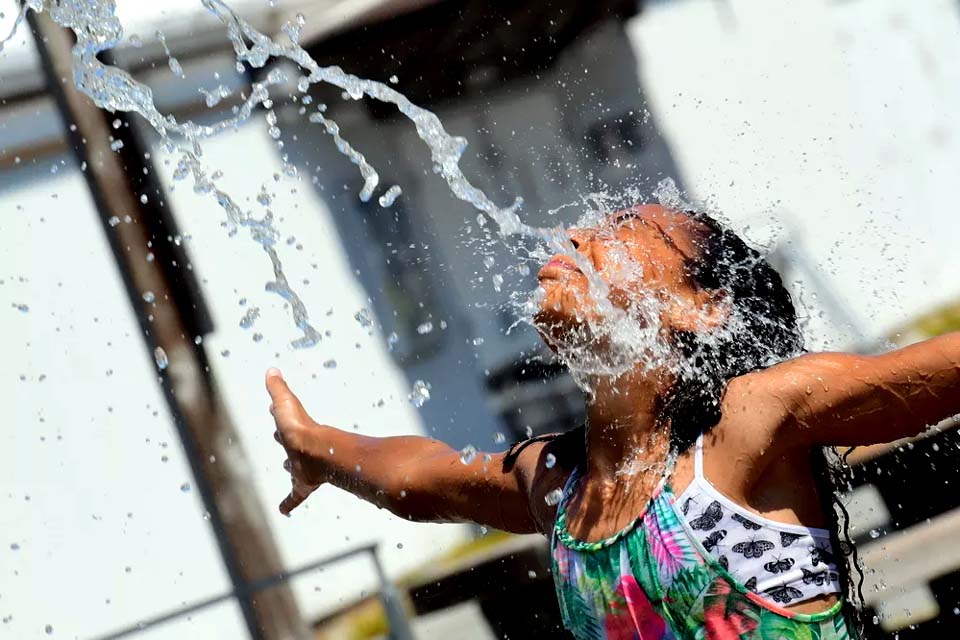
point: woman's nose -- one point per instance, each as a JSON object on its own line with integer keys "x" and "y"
{"x": 576, "y": 237}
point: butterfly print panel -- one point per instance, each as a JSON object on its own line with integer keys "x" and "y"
{"x": 709, "y": 519}
{"x": 747, "y": 524}
{"x": 753, "y": 548}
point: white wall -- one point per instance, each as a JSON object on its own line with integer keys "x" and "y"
{"x": 838, "y": 116}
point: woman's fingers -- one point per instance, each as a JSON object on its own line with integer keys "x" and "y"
{"x": 291, "y": 421}
{"x": 297, "y": 495}
{"x": 280, "y": 393}
{"x": 291, "y": 502}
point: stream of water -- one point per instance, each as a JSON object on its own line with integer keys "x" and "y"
{"x": 634, "y": 336}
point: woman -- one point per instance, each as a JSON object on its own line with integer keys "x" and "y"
{"x": 690, "y": 504}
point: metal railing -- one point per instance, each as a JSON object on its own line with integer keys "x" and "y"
{"x": 390, "y": 598}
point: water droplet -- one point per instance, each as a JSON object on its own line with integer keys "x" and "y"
{"x": 249, "y": 317}
{"x": 161, "y": 358}
{"x": 174, "y": 65}
{"x": 528, "y": 430}
{"x": 388, "y": 198}
{"x": 420, "y": 393}
{"x": 330, "y": 364}
{"x": 148, "y": 296}
{"x": 116, "y": 145}
{"x": 185, "y": 487}
{"x": 263, "y": 197}
{"x": 477, "y": 342}
{"x": 549, "y": 461}
{"x": 392, "y": 340}
{"x": 425, "y": 328}
{"x": 114, "y": 221}
{"x": 48, "y": 629}
{"x": 14, "y": 546}
{"x": 468, "y": 454}
{"x": 499, "y": 438}
{"x": 394, "y": 79}
{"x": 144, "y": 199}
{"x": 363, "y": 318}
{"x": 553, "y": 498}
{"x": 488, "y": 262}
{"x": 399, "y": 545}
{"x": 531, "y": 574}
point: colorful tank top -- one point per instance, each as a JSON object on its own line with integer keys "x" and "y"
{"x": 654, "y": 581}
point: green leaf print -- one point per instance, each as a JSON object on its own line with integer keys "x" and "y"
{"x": 579, "y": 616}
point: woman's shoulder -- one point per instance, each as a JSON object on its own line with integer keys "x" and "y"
{"x": 544, "y": 464}
{"x": 777, "y": 392}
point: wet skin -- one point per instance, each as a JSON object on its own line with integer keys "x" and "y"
{"x": 758, "y": 454}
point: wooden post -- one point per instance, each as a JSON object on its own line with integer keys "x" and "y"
{"x": 169, "y": 322}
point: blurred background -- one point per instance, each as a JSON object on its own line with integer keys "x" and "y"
{"x": 138, "y": 488}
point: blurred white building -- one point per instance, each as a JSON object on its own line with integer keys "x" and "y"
{"x": 823, "y": 128}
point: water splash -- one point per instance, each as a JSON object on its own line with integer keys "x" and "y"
{"x": 634, "y": 333}
{"x": 160, "y": 357}
{"x": 468, "y": 454}
{"x": 420, "y": 393}
{"x": 388, "y": 198}
{"x": 28, "y": 5}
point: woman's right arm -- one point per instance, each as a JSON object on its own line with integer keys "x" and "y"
{"x": 414, "y": 477}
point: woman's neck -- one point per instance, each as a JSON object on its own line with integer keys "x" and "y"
{"x": 624, "y": 433}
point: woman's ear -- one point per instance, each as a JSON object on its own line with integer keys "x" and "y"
{"x": 711, "y": 309}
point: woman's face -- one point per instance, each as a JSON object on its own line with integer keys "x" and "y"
{"x": 641, "y": 255}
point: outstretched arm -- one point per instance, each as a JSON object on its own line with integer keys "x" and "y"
{"x": 852, "y": 400}
{"x": 414, "y": 477}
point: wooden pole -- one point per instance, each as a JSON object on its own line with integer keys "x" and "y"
{"x": 169, "y": 321}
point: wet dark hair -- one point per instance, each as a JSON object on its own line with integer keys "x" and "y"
{"x": 766, "y": 331}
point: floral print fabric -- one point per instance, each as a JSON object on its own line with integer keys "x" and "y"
{"x": 654, "y": 581}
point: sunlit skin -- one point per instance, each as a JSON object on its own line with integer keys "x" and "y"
{"x": 758, "y": 454}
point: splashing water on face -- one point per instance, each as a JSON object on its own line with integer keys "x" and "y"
{"x": 631, "y": 336}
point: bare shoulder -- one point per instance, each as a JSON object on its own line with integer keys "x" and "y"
{"x": 846, "y": 399}
{"x": 762, "y": 405}
{"x": 542, "y": 467}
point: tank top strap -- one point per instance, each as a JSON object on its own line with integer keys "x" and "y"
{"x": 698, "y": 459}
{"x": 568, "y": 486}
